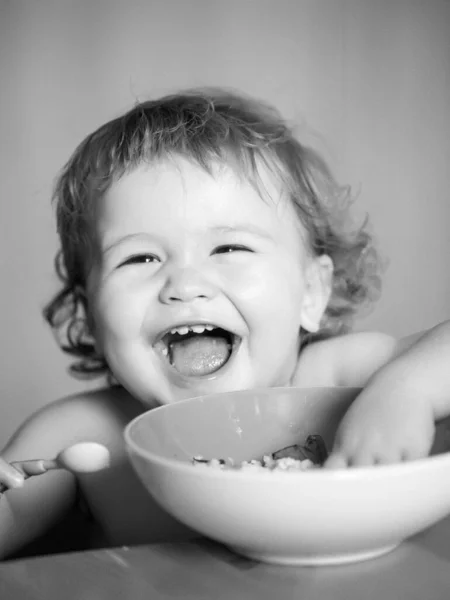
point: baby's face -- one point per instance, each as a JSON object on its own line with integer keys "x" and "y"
{"x": 199, "y": 285}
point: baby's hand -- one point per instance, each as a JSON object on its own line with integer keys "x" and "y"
{"x": 10, "y": 477}
{"x": 382, "y": 430}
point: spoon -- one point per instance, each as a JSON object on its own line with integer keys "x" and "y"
{"x": 84, "y": 457}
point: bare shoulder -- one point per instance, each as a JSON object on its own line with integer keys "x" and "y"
{"x": 346, "y": 360}
{"x": 97, "y": 415}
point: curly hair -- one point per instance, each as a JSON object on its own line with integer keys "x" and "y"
{"x": 208, "y": 126}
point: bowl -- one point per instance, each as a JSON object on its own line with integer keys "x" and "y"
{"x": 313, "y": 517}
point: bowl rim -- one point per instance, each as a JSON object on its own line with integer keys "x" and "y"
{"x": 350, "y": 473}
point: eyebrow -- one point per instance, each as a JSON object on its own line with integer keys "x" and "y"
{"x": 129, "y": 237}
{"x": 247, "y": 228}
{"x": 223, "y": 229}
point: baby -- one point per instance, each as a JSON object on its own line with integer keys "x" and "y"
{"x": 204, "y": 249}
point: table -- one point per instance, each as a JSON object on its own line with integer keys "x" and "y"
{"x": 201, "y": 569}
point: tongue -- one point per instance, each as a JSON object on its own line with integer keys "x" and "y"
{"x": 199, "y": 355}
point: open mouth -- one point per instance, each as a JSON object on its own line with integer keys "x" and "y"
{"x": 197, "y": 350}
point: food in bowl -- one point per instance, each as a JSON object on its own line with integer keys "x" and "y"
{"x": 311, "y": 455}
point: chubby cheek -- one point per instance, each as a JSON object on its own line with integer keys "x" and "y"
{"x": 117, "y": 313}
{"x": 271, "y": 290}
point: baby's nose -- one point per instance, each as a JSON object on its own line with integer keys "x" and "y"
{"x": 186, "y": 284}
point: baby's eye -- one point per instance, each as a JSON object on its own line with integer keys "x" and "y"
{"x": 139, "y": 259}
{"x": 229, "y": 248}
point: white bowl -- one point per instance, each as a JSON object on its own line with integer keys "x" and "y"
{"x": 311, "y": 517}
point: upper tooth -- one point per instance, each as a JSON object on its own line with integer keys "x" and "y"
{"x": 184, "y": 329}
{"x": 198, "y": 328}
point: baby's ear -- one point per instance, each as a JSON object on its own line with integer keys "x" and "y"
{"x": 318, "y": 286}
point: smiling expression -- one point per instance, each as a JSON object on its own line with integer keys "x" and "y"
{"x": 185, "y": 254}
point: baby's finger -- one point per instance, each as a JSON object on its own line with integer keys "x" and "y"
{"x": 336, "y": 461}
{"x": 412, "y": 453}
{"x": 368, "y": 457}
{"x": 9, "y": 476}
{"x": 363, "y": 458}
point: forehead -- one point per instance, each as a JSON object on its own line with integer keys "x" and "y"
{"x": 177, "y": 191}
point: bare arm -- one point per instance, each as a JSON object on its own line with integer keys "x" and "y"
{"x": 423, "y": 367}
{"x": 407, "y": 389}
{"x": 32, "y": 509}
{"x": 28, "y": 511}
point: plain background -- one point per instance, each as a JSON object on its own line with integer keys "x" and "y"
{"x": 367, "y": 82}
